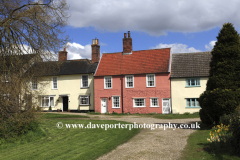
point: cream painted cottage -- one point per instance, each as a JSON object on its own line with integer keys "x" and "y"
{"x": 189, "y": 75}
{"x": 69, "y": 86}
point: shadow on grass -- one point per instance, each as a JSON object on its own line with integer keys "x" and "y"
{"x": 220, "y": 150}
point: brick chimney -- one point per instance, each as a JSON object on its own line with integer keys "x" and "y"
{"x": 95, "y": 50}
{"x": 62, "y": 55}
{"x": 127, "y": 44}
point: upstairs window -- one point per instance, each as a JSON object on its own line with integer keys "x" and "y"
{"x": 84, "y": 81}
{"x": 193, "y": 82}
{"x": 129, "y": 81}
{"x": 84, "y": 100}
{"x": 150, "y": 80}
{"x": 192, "y": 102}
{"x": 34, "y": 84}
{"x": 54, "y": 85}
{"x": 108, "y": 82}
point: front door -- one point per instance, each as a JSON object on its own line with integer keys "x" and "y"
{"x": 103, "y": 105}
{"x": 166, "y": 108}
{"x": 65, "y": 103}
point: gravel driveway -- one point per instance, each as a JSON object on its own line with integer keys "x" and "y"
{"x": 149, "y": 144}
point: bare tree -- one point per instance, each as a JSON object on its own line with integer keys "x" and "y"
{"x": 30, "y": 31}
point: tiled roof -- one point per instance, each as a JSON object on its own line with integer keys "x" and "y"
{"x": 69, "y": 67}
{"x": 190, "y": 64}
{"x": 139, "y": 62}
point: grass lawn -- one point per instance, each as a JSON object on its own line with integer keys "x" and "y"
{"x": 175, "y": 116}
{"x": 55, "y": 115}
{"x": 49, "y": 142}
{"x": 199, "y": 148}
{"x": 159, "y": 116}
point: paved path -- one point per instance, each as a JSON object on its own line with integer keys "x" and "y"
{"x": 149, "y": 144}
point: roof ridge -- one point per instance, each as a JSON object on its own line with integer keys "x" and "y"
{"x": 193, "y": 53}
{"x": 140, "y": 50}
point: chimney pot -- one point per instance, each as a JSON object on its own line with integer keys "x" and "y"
{"x": 129, "y": 34}
{"x": 125, "y": 35}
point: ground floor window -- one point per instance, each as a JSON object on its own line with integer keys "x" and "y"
{"x": 116, "y": 102}
{"x": 47, "y": 101}
{"x": 192, "y": 102}
{"x": 84, "y": 100}
{"x": 154, "y": 102}
{"x": 139, "y": 102}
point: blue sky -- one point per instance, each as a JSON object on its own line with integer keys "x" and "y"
{"x": 185, "y": 25}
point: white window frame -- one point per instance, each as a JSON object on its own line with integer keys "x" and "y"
{"x": 151, "y": 102}
{"x": 118, "y": 101}
{"x": 34, "y": 82}
{"x": 53, "y": 83}
{"x": 147, "y": 80}
{"x": 48, "y": 97}
{"x": 138, "y": 106}
{"x": 82, "y": 81}
{"x": 126, "y": 85}
{"x": 105, "y": 82}
{"x": 84, "y": 96}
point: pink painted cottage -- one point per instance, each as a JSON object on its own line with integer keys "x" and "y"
{"x": 133, "y": 81}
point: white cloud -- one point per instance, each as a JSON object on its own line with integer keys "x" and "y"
{"x": 177, "y": 48}
{"x": 210, "y": 46}
{"x": 155, "y": 17}
{"x": 77, "y": 51}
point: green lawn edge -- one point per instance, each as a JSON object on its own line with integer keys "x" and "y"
{"x": 68, "y": 143}
{"x": 198, "y": 148}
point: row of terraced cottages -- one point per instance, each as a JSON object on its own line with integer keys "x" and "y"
{"x": 142, "y": 81}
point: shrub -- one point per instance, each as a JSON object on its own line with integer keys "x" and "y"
{"x": 114, "y": 112}
{"x": 235, "y": 129}
{"x": 50, "y": 108}
{"x": 220, "y": 135}
{"x": 204, "y": 117}
{"x": 186, "y": 113}
{"x": 20, "y": 123}
{"x": 222, "y": 93}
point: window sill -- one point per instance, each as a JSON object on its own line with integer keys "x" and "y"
{"x": 107, "y": 88}
{"x": 84, "y": 104}
{"x": 54, "y": 88}
{"x": 84, "y": 87}
{"x": 150, "y": 86}
{"x": 115, "y": 107}
{"x": 191, "y": 86}
{"x": 154, "y": 106}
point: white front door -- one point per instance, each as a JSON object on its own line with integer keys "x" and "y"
{"x": 103, "y": 105}
{"x": 166, "y": 107}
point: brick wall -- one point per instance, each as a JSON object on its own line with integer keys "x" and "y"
{"x": 162, "y": 90}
